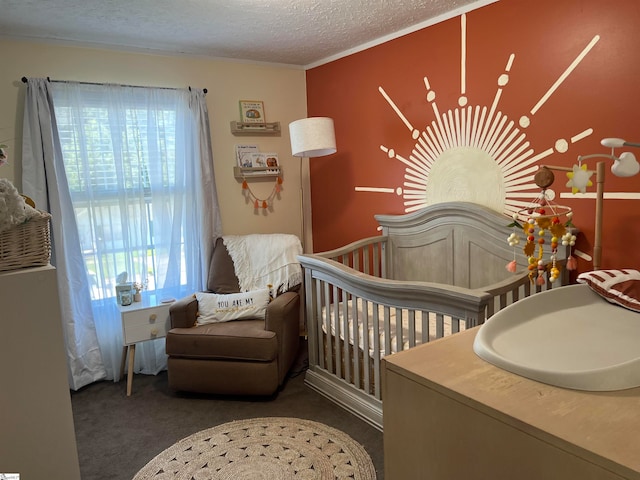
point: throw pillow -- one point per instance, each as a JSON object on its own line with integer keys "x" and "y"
{"x": 621, "y": 287}
{"x": 214, "y": 307}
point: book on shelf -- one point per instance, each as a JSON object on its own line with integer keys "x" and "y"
{"x": 262, "y": 160}
{"x": 252, "y": 111}
{"x": 243, "y": 154}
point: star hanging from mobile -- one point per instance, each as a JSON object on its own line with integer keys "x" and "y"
{"x": 579, "y": 179}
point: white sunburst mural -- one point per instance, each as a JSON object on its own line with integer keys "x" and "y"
{"x": 475, "y": 145}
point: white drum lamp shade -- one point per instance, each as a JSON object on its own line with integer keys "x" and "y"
{"x": 312, "y": 137}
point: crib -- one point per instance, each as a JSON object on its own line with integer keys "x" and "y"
{"x": 431, "y": 273}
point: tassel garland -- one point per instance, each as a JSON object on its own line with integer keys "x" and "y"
{"x": 263, "y": 203}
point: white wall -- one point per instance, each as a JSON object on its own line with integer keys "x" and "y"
{"x": 281, "y": 88}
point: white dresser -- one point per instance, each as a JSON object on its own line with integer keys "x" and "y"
{"x": 37, "y": 436}
{"x": 141, "y": 321}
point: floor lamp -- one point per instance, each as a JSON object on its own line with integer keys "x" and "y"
{"x": 310, "y": 137}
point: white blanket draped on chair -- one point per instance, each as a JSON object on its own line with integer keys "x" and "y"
{"x": 265, "y": 259}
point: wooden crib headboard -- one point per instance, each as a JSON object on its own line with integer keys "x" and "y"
{"x": 455, "y": 243}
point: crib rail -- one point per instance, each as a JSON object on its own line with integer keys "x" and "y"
{"x": 353, "y": 319}
{"x": 366, "y": 255}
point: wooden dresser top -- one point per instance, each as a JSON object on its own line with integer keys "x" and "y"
{"x": 603, "y": 427}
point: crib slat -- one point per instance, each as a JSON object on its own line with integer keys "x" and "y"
{"x": 376, "y": 348}
{"x": 439, "y": 325}
{"x": 355, "y": 355}
{"x": 399, "y": 332}
{"x": 426, "y": 334}
{"x": 376, "y": 260}
{"x": 324, "y": 323}
{"x": 491, "y": 309}
{"x": 329, "y": 338}
{"x": 317, "y": 325}
{"x": 355, "y": 316}
{"x": 348, "y": 311}
{"x": 387, "y": 331}
{"x": 455, "y": 325}
{"x": 365, "y": 260}
{"x": 515, "y": 294}
{"x": 366, "y": 364}
{"x": 383, "y": 260}
{"x": 503, "y": 301}
{"x": 334, "y": 349}
{"x": 412, "y": 328}
{"x": 311, "y": 318}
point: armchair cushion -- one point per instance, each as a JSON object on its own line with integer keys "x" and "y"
{"x": 214, "y": 307}
{"x": 244, "y": 341}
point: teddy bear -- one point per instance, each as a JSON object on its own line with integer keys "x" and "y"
{"x": 13, "y": 207}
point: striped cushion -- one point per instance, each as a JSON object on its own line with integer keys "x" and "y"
{"x": 621, "y": 287}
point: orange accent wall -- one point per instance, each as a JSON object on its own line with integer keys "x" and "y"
{"x": 546, "y": 36}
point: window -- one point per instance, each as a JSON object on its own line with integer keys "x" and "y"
{"x": 127, "y": 174}
{"x": 124, "y": 151}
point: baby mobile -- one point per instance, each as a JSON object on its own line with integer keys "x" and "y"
{"x": 261, "y": 203}
{"x": 544, "y": 224}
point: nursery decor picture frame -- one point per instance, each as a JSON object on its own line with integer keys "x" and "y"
{"x": 252, "y": 111}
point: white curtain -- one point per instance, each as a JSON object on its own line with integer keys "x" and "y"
{"x": 43, "y": 179}
{"x": 137, "y": 172}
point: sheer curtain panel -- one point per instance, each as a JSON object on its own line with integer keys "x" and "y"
{"x": 138, "y": 172}
{"x": 44, "y": 180}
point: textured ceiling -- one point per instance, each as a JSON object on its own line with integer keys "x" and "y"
{"x": 296, "y": 32}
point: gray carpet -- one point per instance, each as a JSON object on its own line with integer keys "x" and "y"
{"x": 117, "y": 435}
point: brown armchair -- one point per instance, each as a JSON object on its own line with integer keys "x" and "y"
{"x": 239, "y": 357}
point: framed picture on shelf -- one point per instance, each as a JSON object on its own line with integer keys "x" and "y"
{"x": 252, "y": 111}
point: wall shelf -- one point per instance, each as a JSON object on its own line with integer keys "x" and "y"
{"x": 255, "y": 129}
{"x": 256, "y": 172}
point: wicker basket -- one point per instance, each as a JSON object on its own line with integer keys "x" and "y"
{"x": 26, "y": 245}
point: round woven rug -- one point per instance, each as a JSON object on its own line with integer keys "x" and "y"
{"x": 263, "y": 448}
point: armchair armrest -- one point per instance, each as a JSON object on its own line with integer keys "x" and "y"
{"x": 183, "y": 312}
{"x": 281, "y": 311}
{"x": 283, "y": 316}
